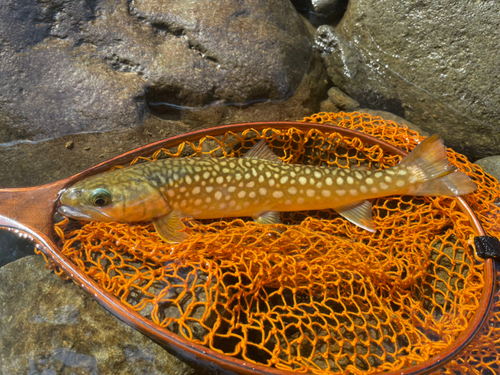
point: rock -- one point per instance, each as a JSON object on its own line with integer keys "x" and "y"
{"x": 52, "y": 326}
{"x": 342, "y": 101}
{"x": 105, "y": 74}
{"x": 491, "y": 165}
{"x": 68, "y": 67}
{"x": 13, "y": 247}
{"x": 321, "y": 12}
{"x": 428, "y": 62}
{"x": 328, "y": 106}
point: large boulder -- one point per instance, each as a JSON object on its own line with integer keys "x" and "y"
{"x": 80, "y": 69}
{"x": 434, "y": 63}
{"x": 51, "y": 326}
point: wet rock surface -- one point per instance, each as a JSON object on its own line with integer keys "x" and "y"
{"x": 429, "y": 62}
{"x": 92, "y": 67}
{"x": 52, "y": 326}
{"x": 491, "y": 165}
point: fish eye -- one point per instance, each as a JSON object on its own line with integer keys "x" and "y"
{"x": 100, "y": 197}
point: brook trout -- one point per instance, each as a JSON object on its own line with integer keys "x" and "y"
{"x": 257, "y": 185}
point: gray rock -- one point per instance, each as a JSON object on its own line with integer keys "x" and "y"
{"x": 491, "y": 165}
{"x": 70, "y": 67}
{"x": 342, "y": 101}
{"x": 115, "y": 75}
{"x": 52, "y": 326}
{"x": 328, "y": 106}
{"x": 428, "y": 62}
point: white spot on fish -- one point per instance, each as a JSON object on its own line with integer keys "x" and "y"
{"x": 232, "y": 203}
{"x": 219, "y": 180}
{"x": 206, "y": 175}
{"x": 238, "y": 176}
{"x": 271, "y": 182}
{"x": 262, "y": 191}
{"x": 311, "y": 181}
{"x": 369, "y": 181}
{"x": 242, "y": 194}
{"x": 251, "y": 194}
{"x": 196, "y": 190}
{"x": 196, "y": 177}
{"x": 288, "y": 202}
{"x": 317, "y": 174}
{"x": 277, "y": 194}
{"x": 358, "y": 175}
{"x": 284, "y": 179}
{"x": 300, "y": 200}
{"x": 329, "y": 181}
{"x": 209, "y": 189}
{"x": 326, "y": 193}
{"x": 225, "y": 170}
{"x": 363, "y": 189}
{"x": 340, "y": 192}
{"x": 307, "y": 170}
{"x": 387, "y": 179}
{"x": 218, "y": 195}
{"x": 246, "y": 204}
{"x": 310, "y": 192}
{"x": 302, "y": 180}
{"x": 401, "y": 172}
{"x": 250, "y": 184}
{"x": 384, "y": 186}
{"x": 319, "y": 184}
{"x": 268, "y": 174}
{"x": 248, "y": 176}
{"x": 188, "y": 179}
{"x": 353, "y": 192}
{"x": 400, "y": 183}
{"x": 231, "y": 189}
{"x": 350, "y": 180}
{"x": 340, "y": 181}
{"x": 222, "y": 206}
{"x": 170, "y": 193}
{"x": 261, "y": 178}
{"x": 197, "y": 202}
{"x": 374, "y": 190}
{"x": 378, "y": 174}
{"x": 292, "y": 190}
{"x": 183, "y": 189}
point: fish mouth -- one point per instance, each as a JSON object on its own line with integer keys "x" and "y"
{"x": 73, "y": 213}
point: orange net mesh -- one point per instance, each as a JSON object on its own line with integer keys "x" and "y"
{"x": 315, "y": 294}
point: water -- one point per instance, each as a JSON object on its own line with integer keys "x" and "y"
{"x": 13, "y": 247}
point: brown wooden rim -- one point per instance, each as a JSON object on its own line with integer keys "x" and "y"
{"x": 197, "y": 352}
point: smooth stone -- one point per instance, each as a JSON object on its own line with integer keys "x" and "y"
{"x": 491, "y": 165}
{"x": 428, "y": 62}
{"x": 53, "y": 326}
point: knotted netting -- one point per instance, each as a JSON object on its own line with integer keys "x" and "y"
{"x": 315, "y": 294}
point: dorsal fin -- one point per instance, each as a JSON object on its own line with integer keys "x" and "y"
{"x": 262, "y": 151}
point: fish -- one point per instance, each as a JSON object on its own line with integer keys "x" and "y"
{"x": 258, "y": 185}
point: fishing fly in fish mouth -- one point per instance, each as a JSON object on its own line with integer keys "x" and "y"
{"x": 257, "y": 185}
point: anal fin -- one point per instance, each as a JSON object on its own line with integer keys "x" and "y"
{"x": 270, "y": 217}
{"x": 168, "y": 227}
{"x": 359, "y": 213}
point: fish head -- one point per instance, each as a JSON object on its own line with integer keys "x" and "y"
{"x": 115, "y": 196}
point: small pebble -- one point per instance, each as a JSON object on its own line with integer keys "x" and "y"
{"x": 70, "y": 145}
{"x": 86, "y": 148}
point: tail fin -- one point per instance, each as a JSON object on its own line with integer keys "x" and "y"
{"x": 431, "y": 172}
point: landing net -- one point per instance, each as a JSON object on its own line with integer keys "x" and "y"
{"x": 315, "y": 294}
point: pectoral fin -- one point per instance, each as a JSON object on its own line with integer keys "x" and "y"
{"x": 359, "y": 213}
{"x": 168, "y": 227}
{"x": 270, "y": 217}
